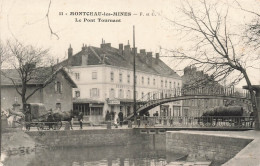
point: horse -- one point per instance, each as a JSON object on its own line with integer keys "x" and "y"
{"x": 63, "y": 116}
{"x": 12, "y": 117}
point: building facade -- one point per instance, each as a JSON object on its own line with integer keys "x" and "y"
{"x": 56, "y": 95}
{"x": 104, "y": 77}
{"x": 194, "y": 79}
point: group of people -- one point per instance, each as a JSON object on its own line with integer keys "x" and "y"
{"x": 110, "y": 116}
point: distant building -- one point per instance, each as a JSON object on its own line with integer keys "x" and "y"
{"x": 104, "y": 77}
{"x": 194, "y": 79}
{"x": 56, "y": 95}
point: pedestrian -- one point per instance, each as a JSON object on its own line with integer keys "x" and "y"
{"x": 50, "y": 120}
{"x": 112, "y": 115}
{"x": 80, "y": 119}
{"x": 121, "y": 117}
{"x": 107, "y": 118}
{"x": 138, "y": 119}
{"x": 70, "y": 120}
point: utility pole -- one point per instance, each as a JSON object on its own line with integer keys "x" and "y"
{"x": 134, "y": 73}
{"x": 0, "y": 99}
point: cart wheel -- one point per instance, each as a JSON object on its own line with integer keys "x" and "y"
{"x": 40, "y": 126}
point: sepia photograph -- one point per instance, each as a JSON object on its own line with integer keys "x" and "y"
{"x": 130, "y": 83}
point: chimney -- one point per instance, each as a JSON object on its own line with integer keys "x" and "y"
{"x": 57, "y": 60}
{"x": 70, "y": 52}
{"x": 84, "y": 57}
{"x": 105, "y": 45}
{"x": 142, "y": 51}
{"x": 157, "y": 58}
{"x": 121, "y": 46}
{"x": 121, "y": 49}
{"x": 84, "y": 46}
{"x": 127, "y": 49}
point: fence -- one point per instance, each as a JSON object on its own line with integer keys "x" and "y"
{"x": 209, "y": 121}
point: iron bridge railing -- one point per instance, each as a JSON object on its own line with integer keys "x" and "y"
{"x": 209, "y": 121}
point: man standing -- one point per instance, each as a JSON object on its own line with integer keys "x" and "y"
{"x": 80, "y": 119}
{"x": 138, "y": 119}
{"x": 120, "y": 116}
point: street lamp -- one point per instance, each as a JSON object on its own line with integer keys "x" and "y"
{"x": 135, "y": 113}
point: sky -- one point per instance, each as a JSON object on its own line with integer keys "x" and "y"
{"x": 27, "y": 22}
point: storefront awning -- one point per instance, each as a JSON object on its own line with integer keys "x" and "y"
{"x": 87, "y": 101}
{"x": 121, "y": 101}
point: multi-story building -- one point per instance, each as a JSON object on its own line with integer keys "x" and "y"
{"x": 104, "y": 77}
{"x": 193, "y": 78}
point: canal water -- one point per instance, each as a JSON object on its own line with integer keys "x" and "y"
{"x": 131, "y": 155}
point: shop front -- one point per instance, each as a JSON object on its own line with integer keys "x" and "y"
{"x": 92, "y": 110}
{"x": 124, "y": 105}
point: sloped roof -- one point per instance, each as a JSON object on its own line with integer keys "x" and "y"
{"x": 43, "y": 74}
{"x": 112, "y": 56}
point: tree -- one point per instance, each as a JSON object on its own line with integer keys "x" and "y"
{"x": 28, "y": 65}
{"x": 214, "y": 44}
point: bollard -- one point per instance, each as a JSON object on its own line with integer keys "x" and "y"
{"x": 129, "y": 124}
{"x": 67, "y": 126}
{"x": 108, "y": 125}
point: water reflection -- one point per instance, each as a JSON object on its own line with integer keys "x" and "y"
{"x": 134, "y": 155}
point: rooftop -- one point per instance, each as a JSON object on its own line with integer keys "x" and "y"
{"x": 119, "y": 57}
{"x": 39, "y": 77}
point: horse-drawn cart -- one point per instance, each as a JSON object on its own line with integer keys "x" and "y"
{"x": 36, "y": 115}
{"x": 226, "y": 117}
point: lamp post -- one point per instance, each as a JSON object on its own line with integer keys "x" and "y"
{"x": 135, "y": 113}
{"x": 0, "y": 102}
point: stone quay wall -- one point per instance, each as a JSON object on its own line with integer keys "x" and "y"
{"x": 210, "y": 147}
{"x": 100, "y": 137}
{"x": 92, "y": 138}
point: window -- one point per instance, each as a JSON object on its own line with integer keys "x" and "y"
{"x": 154, "y": 81}
{"x": 77, "y": 76}
{"x": 148, "y": 81}
{"x": 174, "y": 85}
{"x": 142, "y": 94}
{"x": 148, "y": 96}
{"x": 58, "y": 106}
{"x": 165, "y": 84}
{"x": 96, "y": 111}
{"x": 121, "y": 93}
{"x": 58, "y": 86}
{"x": 112, "y": 76}
{"x": 94, "y": 92}
{"x": 161, "y": 83}
{"x": 112, "y": 93}
{"x": 94, "y": 75}
{"x": 128, "y": 78}
{"x": 142, "y": 80}
{"x": 128, "y": 95}
{"x": 170, "y": 84}
{"x": 77, "y": 93}
{"x": 120, "y": 77}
